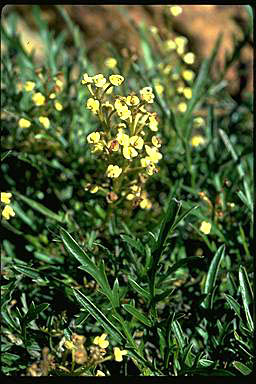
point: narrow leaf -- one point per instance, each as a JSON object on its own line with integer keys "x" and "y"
{"x": 212, "y": 274}
{"x": 138, "y": 315}
{"x": 99, "y": 316}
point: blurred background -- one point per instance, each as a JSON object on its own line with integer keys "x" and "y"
{"x": 116, "y": 24}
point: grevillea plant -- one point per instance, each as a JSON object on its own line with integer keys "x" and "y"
{"x": 126, "y": 141}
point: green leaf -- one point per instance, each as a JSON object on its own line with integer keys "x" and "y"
{"x": 138, "y": 288}
{"x": 33, "y": 312}
{"x": 87, "y": 264}
{"x": 138, "y": 315}
{"x": 179, "y": 264}
{"x": 28, "y": 271}
{"x": 40, "y": 208}
{"x": 180, "y": 336}
{"x": 247, "y": 296}
{"x": 135, "y": 243}
{"x": 5, "y": 154}
{"x": 233, "y": 304}
{"x": 116, "y": 294}
{"x": 212, "y": 274}
{"x": 242, "y": 368}
{"x": 99, "y": 316}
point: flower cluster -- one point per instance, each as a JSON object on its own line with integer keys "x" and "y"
{"x": 127, "y": 142}
{"x": 7, "y": 211}
{"x": 46, "y": 101}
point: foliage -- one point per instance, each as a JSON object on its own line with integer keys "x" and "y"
{"x": 106, "y": 273}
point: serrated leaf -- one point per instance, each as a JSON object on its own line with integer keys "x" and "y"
{"x": 99, "y": 316}
{"x": 137, "y": 314}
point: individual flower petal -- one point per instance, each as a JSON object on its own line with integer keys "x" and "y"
{"x": 116, "y": 79}
{"x": 7, "y": 212}
{"x": 58, "y": 105}
{"x": 119, "y": 354}
{"x": 44, "y": 121}
{"x": 38, "y": 99}
{"x": 24, "y": 123}
{"x": 113, "y": 171}
{"x": 205, "y": 227}
{"x": 93, "y": 105}
{"x": 5, "y": 197}
{"x": 93, "y": 137}
{"x": 110, "y": 62}
{"x": 137, "y": 142}
{"x": 197, "y": 140}
{"x": 29, "y": 86}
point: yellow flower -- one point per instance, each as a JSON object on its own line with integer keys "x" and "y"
{"x": 5, "y": 197}
{"x": 153, "y": 123}
{"x": 189, "y": 58}
{"x": 205, "y": 227}
{"x": 187, "y": 92}
{"x": 7, "y": 212}
{"x": 147, "y": 95}
{"x": 156, "y": 141}
{"x": 24, "y": 123}
{"x": 119, "y": 354}
{"x": 94, "y": 189}
{"x": 182, "y": 107}
{"x": 93, "y": 105}
{"x": 132, "y": 100}
{"x": 188, "y": 75}
{"x": 130, "y": 196}
{"x": 107, "y": 104}
{"x": 175, "y": 76}
{"x": 38, "y": 98}
{"x": 44, "y": 121}
{"x": 58, "y": 105}
{"x": 86, "y": 79}
{"x": 175, "y": 10}
{"x": 136, "y": 189}
{"x": 123, "y": 139}
{"x": 145, "y": 204}
{"x": 137, "y": 142}
{"x": 169, "y": 45}
{"x": 197, "y": 140}
{"x": 69, "y": 345}
{"x": 113, "y": 145}
{"x": 93, "y": 137}
{"x": 98, "y": 147}
{"x": 100, "y": 373}
{"x": 52, "y": 96}
{"x": 145, "y": 161}
{"x": 29, "y": 86}
{"x": 99, "y": 80}
{"x": 167, "y": 69}
{"x": 100, "y": 341}
{"x": 116, "y": 79}
{"x": 159, "y": 89}
{"x": 198, "y": 121}
{"x": 113, "y": 171}
{"x": 180, "y": 89}
{"x": 124, "y": 114}
{"x": 59, "y": 84}
{"x": 153, "y": 154}
{"x": 129, "y": 152}
{"x": 153, "y": 29}
{"x": 110, "y": 62}
{"x": 110, "y": 89}
{"x": 181, "y": 41}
